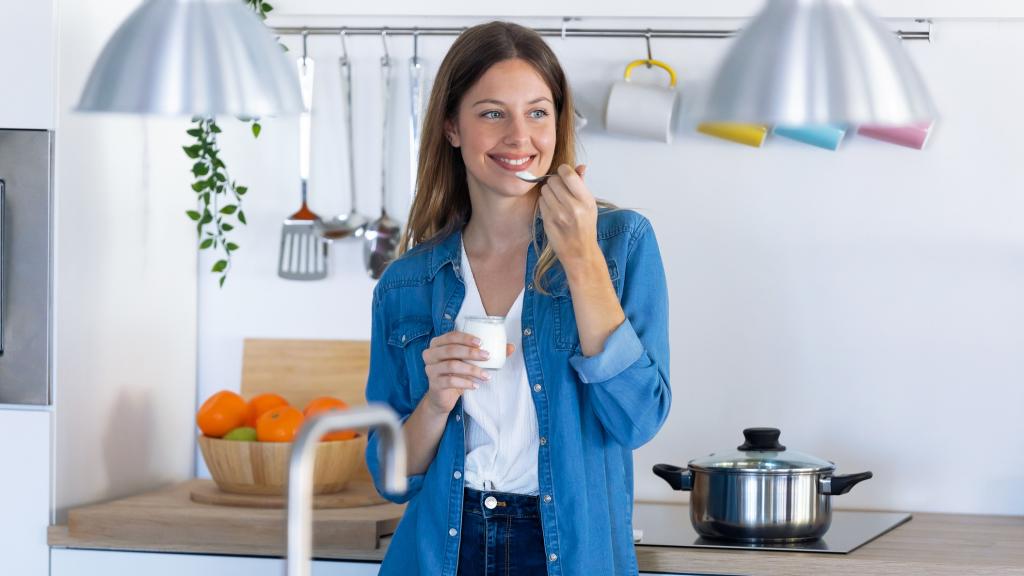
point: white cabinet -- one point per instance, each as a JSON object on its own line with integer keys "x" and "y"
{"x": 24, "y": 490}
{"x": 27, "y": 64}
{"x": 72, "y": 562}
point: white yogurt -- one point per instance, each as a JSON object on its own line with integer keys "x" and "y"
{"x": 491, "y": 332}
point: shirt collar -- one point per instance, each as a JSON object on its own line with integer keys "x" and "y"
{"x": 448, "y": 250}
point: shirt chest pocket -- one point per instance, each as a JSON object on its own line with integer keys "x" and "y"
{"x": 567, "y": 337}
{"x": 412, "y": 336}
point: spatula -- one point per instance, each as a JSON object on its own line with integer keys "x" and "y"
{"x": 303, "y": 254}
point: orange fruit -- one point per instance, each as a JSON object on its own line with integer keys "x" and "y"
{"x": 326, "y": 404}
{"x": 222, "y": 413}
{"x": 279, "y": 424}
{"x": 261, "y": 403}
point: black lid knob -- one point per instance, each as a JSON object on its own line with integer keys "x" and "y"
{"x": 761, "y": 440}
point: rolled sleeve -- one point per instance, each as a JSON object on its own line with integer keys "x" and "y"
{"x": 373, "y": 462}
{"x": 621, "y": 349}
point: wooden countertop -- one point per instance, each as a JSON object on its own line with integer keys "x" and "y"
{"x": 930, "y": 544}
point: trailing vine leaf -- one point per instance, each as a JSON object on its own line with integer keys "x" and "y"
{"x": 217, "y": 196}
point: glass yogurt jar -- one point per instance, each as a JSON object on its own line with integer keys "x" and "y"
{"x": 491, "y": 332}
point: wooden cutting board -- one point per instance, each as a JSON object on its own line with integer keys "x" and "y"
{"x": 301, "y": 370}
{"x": 170, "y": 517}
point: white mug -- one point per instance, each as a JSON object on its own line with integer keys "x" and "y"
{"x": 643, "y": 110}
{"x": 491, "y": 332}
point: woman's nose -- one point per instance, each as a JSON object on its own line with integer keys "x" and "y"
{"x": 518, "y": 131}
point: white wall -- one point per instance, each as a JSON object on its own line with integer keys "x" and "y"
{"x": 125, "y": 329}
{"x": 867, "y": 302}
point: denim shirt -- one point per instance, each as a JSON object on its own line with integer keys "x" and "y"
{"x": 592, "y": 412}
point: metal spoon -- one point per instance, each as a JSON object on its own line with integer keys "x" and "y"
{"x": 526, "y": 176}
{"x": 353, "y": 224}
{"x": 381, "y": 237}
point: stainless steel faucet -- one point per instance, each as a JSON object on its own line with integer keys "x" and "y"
{"x": 300, "y": 472}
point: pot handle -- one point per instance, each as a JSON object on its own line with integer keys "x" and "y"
{"x": 843, "y": 483}
{"x": 678, "y": 478}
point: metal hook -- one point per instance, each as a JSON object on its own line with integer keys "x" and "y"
{"x": 648, "y": 38}
{"x": 415, "y": 45}
{"x": 344, "y": 48}
{"x": 565, "y": 22}
{"x": 384, "y": 38}
{"x": 925, "y": 21}
{"x": 305, "y": 52}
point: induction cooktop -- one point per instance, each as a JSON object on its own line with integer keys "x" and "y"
{"x": 661, "y": 524}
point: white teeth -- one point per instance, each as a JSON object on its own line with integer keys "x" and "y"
{"x": 519, "y": 162}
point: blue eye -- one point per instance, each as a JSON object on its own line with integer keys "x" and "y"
{"x": 542, "y": 112}
{"x": 485, "y": 114}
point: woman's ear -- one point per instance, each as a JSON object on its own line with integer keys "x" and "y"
{"x": 451, "y": 132}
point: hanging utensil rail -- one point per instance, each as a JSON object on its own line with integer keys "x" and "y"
{"x": 563, "y": 32}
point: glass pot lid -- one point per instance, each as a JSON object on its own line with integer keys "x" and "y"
{"x": 761, "y": 452}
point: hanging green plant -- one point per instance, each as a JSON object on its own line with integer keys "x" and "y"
{"x": 218, "y": 197}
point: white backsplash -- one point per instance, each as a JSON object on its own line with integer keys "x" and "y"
{"x": 867, "y": 302}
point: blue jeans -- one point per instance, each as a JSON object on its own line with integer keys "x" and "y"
{"x": 505, "y": 539}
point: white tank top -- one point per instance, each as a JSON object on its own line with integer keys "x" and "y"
{"x": 501, "y": 422}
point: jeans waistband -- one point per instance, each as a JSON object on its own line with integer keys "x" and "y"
{"x": 492, "y": 503}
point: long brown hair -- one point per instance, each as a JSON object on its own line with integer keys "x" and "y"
{"x": 442, "y": 205}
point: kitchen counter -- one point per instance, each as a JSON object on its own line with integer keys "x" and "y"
{"x": 932, "y": 544}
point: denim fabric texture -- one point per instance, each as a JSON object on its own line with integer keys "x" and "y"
{"x": 501, "y": 535}
{"x": 592, "y": 412}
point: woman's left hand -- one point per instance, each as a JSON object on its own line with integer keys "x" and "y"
{"x": 570, "y": 215}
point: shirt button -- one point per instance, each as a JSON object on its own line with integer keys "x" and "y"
{"x": 527, "y": 332}
{"x": 403, "y": 337}
{"x": 458, "y": 417}
{"x": 491, "y": 502}
{"x": 543, "y": 441}
{"x": 453, "y": 532}
{"x": 447, "y": 316}
{"x": 547, "y": 498}
{"x": 537, "y": 388}
{"x": 553, "y": 557}
{"x": 530, "y": 286}
{"x": 457, "y": 474}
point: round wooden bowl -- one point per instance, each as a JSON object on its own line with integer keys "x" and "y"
{"x": 262, "y": 467}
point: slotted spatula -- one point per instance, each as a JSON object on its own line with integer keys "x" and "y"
{"x": 303, "y": 254}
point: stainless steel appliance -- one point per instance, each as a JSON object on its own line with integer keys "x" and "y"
{"x": 760, "y": 492}
{"x": 26, "y": 246}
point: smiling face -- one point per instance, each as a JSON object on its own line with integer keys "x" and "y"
{"x": 505, "y": 123}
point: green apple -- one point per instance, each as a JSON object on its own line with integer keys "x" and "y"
{"x": 243, "y": 433}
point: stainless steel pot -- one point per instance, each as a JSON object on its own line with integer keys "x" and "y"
{"x": 761, "y": 492}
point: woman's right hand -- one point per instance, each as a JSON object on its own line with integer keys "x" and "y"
{"x": 448, "y": 370}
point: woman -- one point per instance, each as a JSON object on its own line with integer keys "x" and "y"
{"x": 527, "y": 470}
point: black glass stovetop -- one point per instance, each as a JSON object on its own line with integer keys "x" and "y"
{"x": 660, "y": 524}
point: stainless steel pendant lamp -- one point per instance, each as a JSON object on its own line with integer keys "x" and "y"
{"x": 802, "y": 62}
{"x": 195, "y": 58}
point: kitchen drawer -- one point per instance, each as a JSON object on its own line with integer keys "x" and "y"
{"x": 73, "y": 562}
